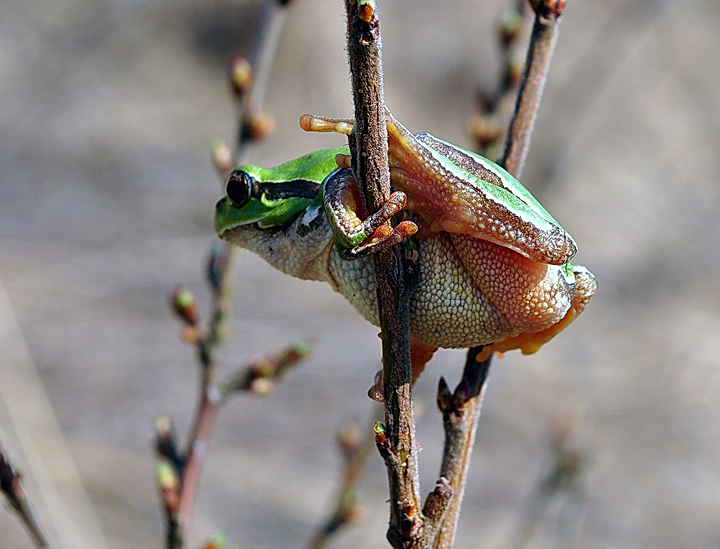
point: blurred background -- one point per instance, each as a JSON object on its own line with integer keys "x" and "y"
{"x": 108, "y": 109}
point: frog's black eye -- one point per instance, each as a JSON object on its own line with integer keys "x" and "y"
{"x": 239, "y": 188}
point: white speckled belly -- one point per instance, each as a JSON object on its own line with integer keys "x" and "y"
{"x": 447, "y": 309}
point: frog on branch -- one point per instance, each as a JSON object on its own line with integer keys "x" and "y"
{"x": 493, "y": 265}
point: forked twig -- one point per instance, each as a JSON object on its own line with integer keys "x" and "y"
{"x": 460, "y": 427}
{"x": 178, "y": 473}
{"x": 461, "y": 412}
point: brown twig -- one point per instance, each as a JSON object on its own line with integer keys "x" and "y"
{"x": 542, "y": 43}
{"x": 178, "y": 478}
{"x": 370, "y": 165}
{"x": 178, "y": 474}
{"x": 461, "y": 424}
{"x": 461, "y": 412}
{"x": 356, "y": 450}
{"x": 11, "y": 487}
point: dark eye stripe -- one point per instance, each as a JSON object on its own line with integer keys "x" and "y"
{"x": 298, "y": 188}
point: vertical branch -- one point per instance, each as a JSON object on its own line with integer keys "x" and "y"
{"x": 370, "y": 165}
{"x": 461, "y": 409}
{"x": 461, "y": 412}
{"x": 542, "y": 43}
{"x": 11, "y": 488}
{"x": 178, "y": 478}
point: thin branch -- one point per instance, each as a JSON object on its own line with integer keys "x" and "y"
{"x": 370, "y": 166}
{"x": 461, "y": 412}
{"x": 461, "y": 409}
{"x": 263, "y": 372}
{"x": 178, "y": 478}
{"x": 496, "y": 104}
{"x": 542, "y": 43}
{"x": 12, "y": 489}
{"x": 356, "y": 450}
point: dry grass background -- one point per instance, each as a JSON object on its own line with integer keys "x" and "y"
{"x": 106, "y": 196}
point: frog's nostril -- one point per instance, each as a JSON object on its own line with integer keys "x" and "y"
{"x": 239, "y": 188}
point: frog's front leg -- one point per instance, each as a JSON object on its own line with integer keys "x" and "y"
{"x": 356, "y": 237}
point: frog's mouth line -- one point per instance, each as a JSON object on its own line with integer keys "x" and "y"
{"x": 297, "y": 188}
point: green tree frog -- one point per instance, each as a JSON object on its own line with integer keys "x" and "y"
{"x": 493, "y": 266}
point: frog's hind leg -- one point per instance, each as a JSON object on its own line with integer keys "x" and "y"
{"x": 528, "y": 343}
{"x": 532, "y": 296}
{"x": 420, "y": 355}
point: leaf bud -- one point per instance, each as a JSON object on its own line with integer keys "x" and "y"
{"x": 240, "y": 75}
{"x": 221, "y": 157}
{"x": 444, "y": 396}
{"x": 183, "y": 304}
{"x": 548, "y": 8}
{"x": 257, "y": 125}
{"x": 218, "y": 541}
{"x": 509, "y": 26}
{"x": 485, "y": 129}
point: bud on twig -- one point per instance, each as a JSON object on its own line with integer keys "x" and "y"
{"x": 366, "y": 10}
{"x": 548, "y": 8}
{"x": 184, "y": 306}
{"x": 509, "y": 26}
{"x": 219, "y": 541}
{"x": 259, "y": 376}
{"x": 221, "y": 157}
{"x": 444, "y": 396}
{"x": 380, "y": 435}
{"x": 485, "y": 129}
{"x": 240, "y": 75}
{"x": 169, "y": 485}
{"x": 256, "y": 126}
{"x": 165, "y": 441}
{"x": 462, "y": 394}
{"x": 376, "y": 391}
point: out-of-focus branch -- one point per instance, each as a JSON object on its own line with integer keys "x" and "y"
{"x": 396, "y": 439}
{"x": 564, "y": 475}
{"x": 495, "y": 104}
{"x": 178, "y": 473}
{"x": 11, "y": 487}
{"x": 264, "y": 371}
{"x": 356, "y": 450}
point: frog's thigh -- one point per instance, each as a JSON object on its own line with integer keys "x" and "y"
{"x": 533, "y": 296}
{"x": 448, "y": 310}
